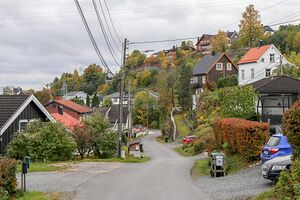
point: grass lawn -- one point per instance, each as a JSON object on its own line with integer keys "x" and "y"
{"x": 41, "y": 167}
{"x": 182, "y": 129}
{"x": 43, "y": 196}
{"x": 268, "y": 195}
{"x": 186, "y": 152}
{"x": 50, "y": 166}
{"x": 235, "y": 163}
{"x": 200, "y": 168}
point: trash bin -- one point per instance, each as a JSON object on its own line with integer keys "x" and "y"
{"x": 217, "y": 164}
{"x": 141, "y": 148}
{"x": 166, "y": 139}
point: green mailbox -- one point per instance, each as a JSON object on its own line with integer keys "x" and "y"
{"x": 217, "y": 164}
{"x": 27, "y": 161}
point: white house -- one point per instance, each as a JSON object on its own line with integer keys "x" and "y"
{"x": 76, "y": 95}
{"x": 259, "y": 63}
{"x": 115, "y": 97}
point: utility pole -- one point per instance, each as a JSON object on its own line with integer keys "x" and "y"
{"x": 120, "y": 127}
{"x": 281, "y": 67}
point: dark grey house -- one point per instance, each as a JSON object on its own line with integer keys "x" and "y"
{"x": 275, "y": 97}
{"x": 112, "y": 115}
{"x": 15, "y": 112}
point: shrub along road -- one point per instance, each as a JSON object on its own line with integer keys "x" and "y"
{"x": 166, "y": 176}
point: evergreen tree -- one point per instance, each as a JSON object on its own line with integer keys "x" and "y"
{"x": 183, "y": 86}
{"x": 88, "y": 101}
{"x": 95, "y": 101}
{"x": 251, "y": 28}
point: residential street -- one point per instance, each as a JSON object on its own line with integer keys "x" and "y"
{"x": 166, "y": 176}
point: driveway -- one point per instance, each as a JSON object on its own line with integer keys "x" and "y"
{"x": 165, "y": 177}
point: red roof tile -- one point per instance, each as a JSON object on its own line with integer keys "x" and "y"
{"x": 74, "y": 106}
{"x": 254, "y": 54}
{"x": 67, "y": 120}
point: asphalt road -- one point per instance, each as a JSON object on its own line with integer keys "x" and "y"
{"x": 165, "y": 177}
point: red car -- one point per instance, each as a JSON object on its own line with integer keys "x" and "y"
{"x": 138, "y": 128}
{"x": 188, "y": 139}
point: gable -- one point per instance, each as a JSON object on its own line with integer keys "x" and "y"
{"x": 254, "y": 54}
{"x": 22, "y": 105}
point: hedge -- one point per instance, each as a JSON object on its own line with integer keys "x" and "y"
{"x": 291, "y": 127}
{"x": 244, "y": 137}
{"x": 8, "y": 181}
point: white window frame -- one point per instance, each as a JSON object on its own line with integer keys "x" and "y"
{"x": 204, "y": 79}
{"x": 268, "y": 73}
{"x": 219, "y": 66}
{"x": 262, "y": 59}
{"x": 243, "y": 74}
{"x": 22, "y": 121}
{"x": 252, "y": 73}
{"x": 229, "y": 67}
{"x": 272, "y": 58}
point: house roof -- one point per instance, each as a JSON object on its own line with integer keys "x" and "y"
{"x": 11, "y": 107}
{"x": 268, "y": 28}
{"x": 74, "y": 93}
{"x": 8, "y": 105}
{"x": 67, "y": 120}
{"x": 72, "y": 105}
{"x": 206, "y": 63}
{"x": 254, "y": 54}
{"x": 277, "y": 84}
{"x": 112, "y": 113}
{"x": 204, "y": 35}
{"x": 117, "y": 95}
{"x": 229, "y": 34}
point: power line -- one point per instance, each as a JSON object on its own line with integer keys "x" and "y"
{"x": 108, "y": 27}
{"x": 112, "y": 52}
{"x": 280, "y": 23}
{"x": 92, "y": 37}
{"x": 160, "y": 41}
{"x": 111, "y": 21}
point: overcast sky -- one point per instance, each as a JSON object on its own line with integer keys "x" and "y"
{"x": 41, "y": 39}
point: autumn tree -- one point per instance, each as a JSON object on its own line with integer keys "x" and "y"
{"x": 251, "y": 28}
{"x": 44, "y": 96}
{"x": 93, "y": 76}
{"x": 219, "y": 42}
{"x": 296, "y": 42}
{"x": 135, "y": 59}
{"x": 107, "y": 102}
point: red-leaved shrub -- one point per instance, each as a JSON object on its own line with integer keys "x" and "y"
{"x": 243, "y": 136}
{"x": 8, "y": 181}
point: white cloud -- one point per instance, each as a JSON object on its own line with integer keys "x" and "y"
{"x": 41, "y": 39}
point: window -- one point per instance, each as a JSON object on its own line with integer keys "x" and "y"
{"x": 22, "y": 124}
{"x": 252, "y": 73}
{"x": 204, "y": 79}
{"x": 262, "y": 59}
{"x": 268, "y": 72}
{"x": 219, "y": 66}
{"x": 272, "y": 57}
{"x": 229, "y": 66}
{"x": 243, "y": 74}
{"x": 194, "y": 79}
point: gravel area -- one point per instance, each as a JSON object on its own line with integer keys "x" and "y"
{"x": 240, "y": 186}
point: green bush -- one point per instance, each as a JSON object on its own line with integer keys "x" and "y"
{"x": 8, "y": 181}
{"x": 227, "y": 81}
{"x": 291, "y": 127}
{"x": 288, "y": 186}
{"x": 4, "y": 195}
{"x": 48, "y": 141}
{"x": 154, "y": 125}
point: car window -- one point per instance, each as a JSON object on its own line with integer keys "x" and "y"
{"x": 273, "y": 141}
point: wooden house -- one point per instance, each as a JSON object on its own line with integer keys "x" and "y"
{"x": 15, "y": 112}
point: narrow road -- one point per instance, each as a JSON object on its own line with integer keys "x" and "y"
{"x": 165, "y": 177}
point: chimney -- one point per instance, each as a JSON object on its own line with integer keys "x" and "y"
{"x": 60, "y": 110}
{"x": 58, "y": 98}
{"x": 260, "y": 43}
